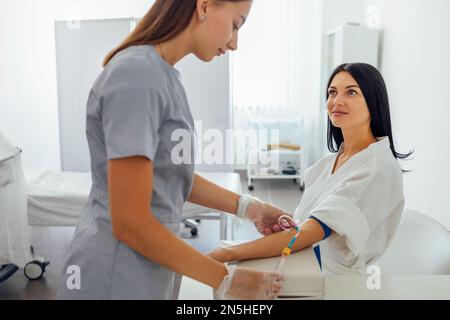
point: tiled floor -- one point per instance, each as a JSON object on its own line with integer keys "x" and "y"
{"x": 52, "y": 242}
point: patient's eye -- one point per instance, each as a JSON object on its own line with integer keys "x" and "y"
{"x": 332, "y": 92}
{"x": 352, "y": 92}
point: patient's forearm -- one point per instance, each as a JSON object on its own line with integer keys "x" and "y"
{"x": 208, "y": 194}
{"x": 271, "y": 246}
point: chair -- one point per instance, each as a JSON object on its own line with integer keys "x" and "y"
{"x": 421, "y": 247}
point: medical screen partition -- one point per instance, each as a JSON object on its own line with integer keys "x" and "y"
{"x": 80, "y": 49}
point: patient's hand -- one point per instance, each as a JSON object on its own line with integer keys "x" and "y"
{"x": 222, "y": 254}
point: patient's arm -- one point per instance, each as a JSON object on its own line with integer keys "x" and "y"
{"x": 271, "y": 246}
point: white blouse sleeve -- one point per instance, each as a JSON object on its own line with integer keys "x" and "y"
{"x": 360, "y": 204}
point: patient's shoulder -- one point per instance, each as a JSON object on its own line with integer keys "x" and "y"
{"x": 318, "y": 168}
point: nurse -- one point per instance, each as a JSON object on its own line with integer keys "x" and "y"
{"x": 354, "y": 198}
{"x": 127, "y": 244}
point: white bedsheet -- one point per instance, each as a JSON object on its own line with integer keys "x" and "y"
{"x": 57, "y": 198}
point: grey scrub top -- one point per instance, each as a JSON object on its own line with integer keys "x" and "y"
{"x": 134, "y": 107}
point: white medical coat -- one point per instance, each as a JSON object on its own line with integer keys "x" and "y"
{"x": 361, "y": 202}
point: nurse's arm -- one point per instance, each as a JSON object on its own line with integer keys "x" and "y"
{"x": 130, "y": 183}
{"x": 208, "y": 194}
{"x": 272, "y": 245}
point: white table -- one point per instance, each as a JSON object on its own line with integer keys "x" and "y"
{"x": 393, "y": 287}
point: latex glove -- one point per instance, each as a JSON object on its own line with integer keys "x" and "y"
{"x": 249, "y": 284}
{"x": 264, "y": 215}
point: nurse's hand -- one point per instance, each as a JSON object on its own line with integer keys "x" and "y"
{"x": 264, "y": 215}
{"x": 248, "y": 284}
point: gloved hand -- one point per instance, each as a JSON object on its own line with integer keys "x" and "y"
{"x": 264, "y": 215}
{"x": 249, "y": 284}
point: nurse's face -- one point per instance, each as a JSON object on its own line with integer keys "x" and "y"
{"x": 216, "y": 27}
{"x": 347, "y": 107}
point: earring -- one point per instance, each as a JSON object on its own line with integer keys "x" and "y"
{"x": 202, "y": 18}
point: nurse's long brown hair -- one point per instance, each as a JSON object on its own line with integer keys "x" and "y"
{"x": 165, "y": 20}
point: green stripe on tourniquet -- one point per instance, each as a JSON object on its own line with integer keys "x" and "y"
{"x": 291, "y": 243}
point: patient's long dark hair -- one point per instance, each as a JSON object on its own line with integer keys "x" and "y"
{"x": 374, "y": 90}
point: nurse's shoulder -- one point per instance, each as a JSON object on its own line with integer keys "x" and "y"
{"x": 134, "y": 67}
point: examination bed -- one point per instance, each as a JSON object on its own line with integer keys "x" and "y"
{"x": 57, "y": 198}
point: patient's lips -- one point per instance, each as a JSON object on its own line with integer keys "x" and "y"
{"x": 338, "y": 113}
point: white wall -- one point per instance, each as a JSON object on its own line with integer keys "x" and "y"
{"x": 28, "y": 92}
{"x": 29, "y": 102}
{"x": 28, "y": 98}
{"x": 339, "y": 12}
{"x": 415, "y": 63}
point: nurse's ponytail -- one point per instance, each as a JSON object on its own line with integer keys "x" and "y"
{"x": 165, "y": 20}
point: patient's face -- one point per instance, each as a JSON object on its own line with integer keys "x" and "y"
{"x": 347, "y": 107}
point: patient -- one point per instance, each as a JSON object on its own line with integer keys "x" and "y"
{"x": 354, "y": 198}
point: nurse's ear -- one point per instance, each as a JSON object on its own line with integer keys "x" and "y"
{"x": 202, "y": 9}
